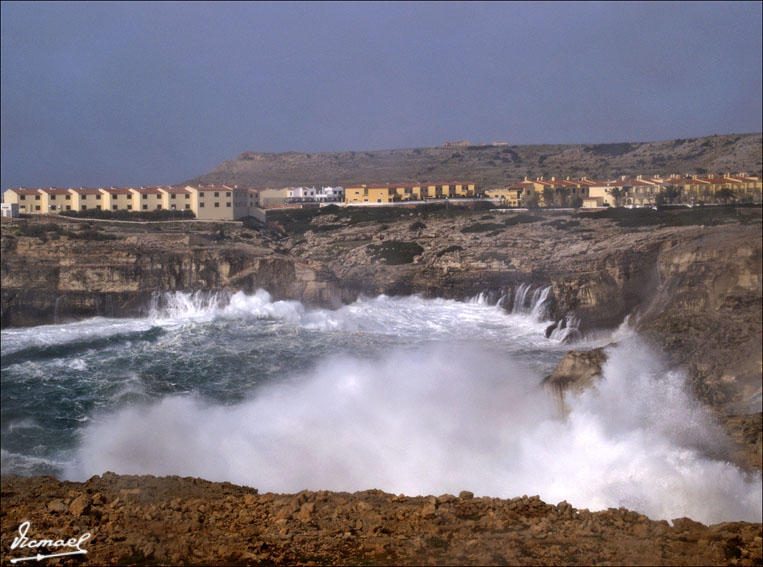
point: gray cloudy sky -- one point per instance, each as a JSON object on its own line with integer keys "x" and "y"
{"x": 101, "y": 94}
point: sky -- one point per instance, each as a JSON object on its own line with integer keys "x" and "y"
{"x": 102, "y": 94}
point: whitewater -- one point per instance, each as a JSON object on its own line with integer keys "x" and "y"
{"x": 407, "y": 395}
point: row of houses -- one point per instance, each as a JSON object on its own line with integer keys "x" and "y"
{"x": 223, "y": 202}
{"x": 624, "y": 191}
{"x": 358, "y": 194}
{"x": 210, "y": 202}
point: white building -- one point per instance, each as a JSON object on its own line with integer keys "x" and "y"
{"x": 330, "y": 194}
{"x": 10, "y": 210}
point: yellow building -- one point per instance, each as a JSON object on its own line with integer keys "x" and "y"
{"x": 55, "y": 200}
{"x": 272, "y": 197}
{"x": 509, "y": 197}
{"x": 175, "y": 198}
{"x": 117, "y": 199}
{"x": 86, "y": 198}
{"x": 28, "y": 200}
{"x": 146, "y": 198}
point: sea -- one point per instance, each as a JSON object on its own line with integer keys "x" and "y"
{"x": 403, "y": 394}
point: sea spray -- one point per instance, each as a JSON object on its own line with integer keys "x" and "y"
{"x": 434, "y": 420}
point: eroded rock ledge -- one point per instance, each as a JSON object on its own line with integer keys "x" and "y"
{"x": 172, "y": 520}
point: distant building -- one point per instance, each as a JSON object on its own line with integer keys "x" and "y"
{"x": 10, "y": 210}
{"x": 461, "y": 144}
{"x": 500, "y": 143}
{"x": 410, "y": 192}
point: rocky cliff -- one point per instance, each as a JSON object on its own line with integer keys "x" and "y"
{"x": 47, "y": 277}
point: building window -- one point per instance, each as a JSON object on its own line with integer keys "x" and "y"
{"x": 173, "y": 196}
{"x": 37, "y": 208}
{"x": 145, "y": 207}
{"x": 36, "y": 197}
{"x": 98, "y": 197}
{"x": 129, "y": 207}
{"x": 68, "y": 197}
{"x": 114, "y": 207}
{"x": 98, "y": 207}
{"x": 68, "y": 208}
{"x": 84, "y": 207}
{"x": 227, "y": 194}
{"x": 52, "y": 197}
{"x": 187, "y": 206}
{"x": 145, "y": 196}
{"x": 217, "y": 194}
{"x": 227, "y": 204}
{"x": 158, "y": 207}
{"x": 217, "y": 204}
{"x": 201, "y": 205}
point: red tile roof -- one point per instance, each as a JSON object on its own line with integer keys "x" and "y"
{"x": 86, "y": 191}
{"x": 146, "y": 190}
{"x": 176, "y": 190}
{"x": 55, "y": 191}
{"x": 117, "y": 190}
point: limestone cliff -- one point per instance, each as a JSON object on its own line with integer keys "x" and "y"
{"x": 45, "y": 280}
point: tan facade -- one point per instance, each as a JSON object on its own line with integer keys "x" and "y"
{"x": 117, "y": 199}
{"x": 273, "y": 197}
{"x": 146, "y": 199}
{"x": 175, "y": 198}
{"x": 86, "y": 199}
{"x": 218, "y": 202}
{"x": 56, "y": 200}
{"x": 28, "y": 200}
{"x": 509, "y": 197}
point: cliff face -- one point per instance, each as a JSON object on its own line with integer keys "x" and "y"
{"x": 46, "y": 281}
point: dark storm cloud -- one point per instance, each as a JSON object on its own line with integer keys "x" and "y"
{"x": 123, "y": 93}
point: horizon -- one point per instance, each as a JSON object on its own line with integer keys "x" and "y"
{"x": 131, "y": 94}
{"x": 509, "y": 178}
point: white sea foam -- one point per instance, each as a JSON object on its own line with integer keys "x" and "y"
{"x": 442, "y": 419}
{"x": 14, "y": 340}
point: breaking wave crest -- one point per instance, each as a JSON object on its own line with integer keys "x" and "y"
{"x": 439, "y": 419}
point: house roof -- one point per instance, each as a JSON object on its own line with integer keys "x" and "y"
{"x": 176, "y": 190}
{"x": 205, "y": 188}
{"x": 117, "y": 190}
{"x": 86, "y": 191}
{"x": 55, "y": 191}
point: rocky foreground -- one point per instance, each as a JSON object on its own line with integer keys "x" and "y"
{"x": 140, "y": 520}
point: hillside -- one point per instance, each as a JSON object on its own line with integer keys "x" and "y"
{"x": 492, "y": 165}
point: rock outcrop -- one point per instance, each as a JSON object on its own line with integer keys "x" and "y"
{"x": 171, "y": 520}
{"x": 53, "y": 279}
